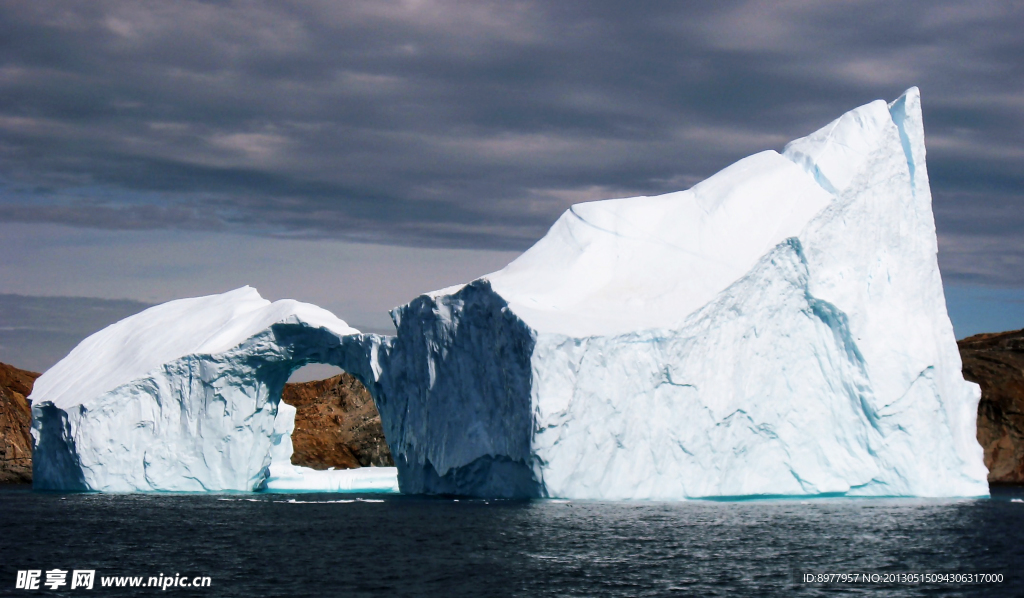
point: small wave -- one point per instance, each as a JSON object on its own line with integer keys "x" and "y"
{"x": 304, "y": 502}
{"x": 312, "y": 502}
{"x": 325, "y": 502}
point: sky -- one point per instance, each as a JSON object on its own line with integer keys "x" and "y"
{"x": 355, "y": 154}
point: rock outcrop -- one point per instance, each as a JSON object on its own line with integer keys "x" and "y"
{"x": 996, "y": 363}
{"x": 15, "y": 423}
{"x": 336, "y": 425}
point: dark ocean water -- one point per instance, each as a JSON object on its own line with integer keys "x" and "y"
{"x": 386, "y": 545}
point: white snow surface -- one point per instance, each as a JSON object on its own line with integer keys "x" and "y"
{"x": 778, "y": 329}
{"x": 614, "y": 266}
{"x": 127, "y": 350}
{"x": 183, "y": 396}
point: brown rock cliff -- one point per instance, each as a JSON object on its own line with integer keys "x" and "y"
{"x": 15, "y": 423}
{"x": 336, "y": 425}
{"x": 996, "y": 363}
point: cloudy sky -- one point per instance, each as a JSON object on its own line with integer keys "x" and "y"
{"x": 354, "y": 154}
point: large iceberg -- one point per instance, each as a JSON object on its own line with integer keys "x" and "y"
{"x": 185, "y": 396}
{"x": 778, "y": 329}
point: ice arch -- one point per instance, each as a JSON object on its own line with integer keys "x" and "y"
{"x": 184, "y": 396}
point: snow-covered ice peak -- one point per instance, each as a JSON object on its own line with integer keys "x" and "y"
{"x": 778, "y": 329}
{"x": 835, "y": 154}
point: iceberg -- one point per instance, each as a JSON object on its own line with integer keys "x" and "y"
{"x": 185, "y": 396}
{"x": 778, "y": 329}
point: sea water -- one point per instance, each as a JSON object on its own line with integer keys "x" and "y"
{"x": 393, "y": 545}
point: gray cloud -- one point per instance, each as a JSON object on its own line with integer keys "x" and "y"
{"x": 37, "y": 332}
{"x": 474, "y": 124}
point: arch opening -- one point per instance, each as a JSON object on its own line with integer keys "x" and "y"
{"x": 312, "y": 372}
{"x": 336, "y": 423}
{"x": 327, "y": 433}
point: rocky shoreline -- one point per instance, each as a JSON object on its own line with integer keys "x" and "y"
{"x": 15, "y": 423}
{"x": 996, "y": 363}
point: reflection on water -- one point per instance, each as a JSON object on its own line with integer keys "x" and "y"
{"x": 311, "y": 544}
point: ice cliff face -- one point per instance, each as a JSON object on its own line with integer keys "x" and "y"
{"x": 180, "y": 397}
{"x": 778, "y": 329}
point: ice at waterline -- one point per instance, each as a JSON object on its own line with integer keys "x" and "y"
{"x": 778, "y": 329}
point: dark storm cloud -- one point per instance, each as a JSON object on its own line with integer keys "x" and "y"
{"x": 476, "y": 123}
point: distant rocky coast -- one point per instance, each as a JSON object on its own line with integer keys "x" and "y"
{"x": 996, "y": 363}
{"x": 15, "y": 423}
